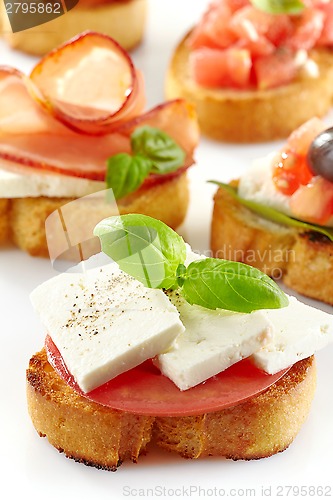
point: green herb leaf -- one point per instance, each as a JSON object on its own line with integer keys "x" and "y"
{"x": 157, "y": 146}
{"x": 279, "y": 6}
{"x": 222, "y": 284}
{"x": 274, "y": 215}
{"x": 143, "y": 247}
{"x": 126, "y": 173}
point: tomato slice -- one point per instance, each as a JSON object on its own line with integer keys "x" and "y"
{"x": 275, "y": 69}
{"x": 145, "y": 391}
{"x": 221, "y": 68}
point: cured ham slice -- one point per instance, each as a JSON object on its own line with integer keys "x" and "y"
{"x": 33, "y": 134}
{"x": 90, "y": 84}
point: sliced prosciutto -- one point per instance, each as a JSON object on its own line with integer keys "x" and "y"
{"x": 30, "y": 136}
{"x": 90, "y": 84}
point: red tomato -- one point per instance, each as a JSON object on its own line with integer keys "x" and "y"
{"x": 308, "y": 28}
{"x": 260, "y": 47}
{"x": 144, "y": 390}
{"x": 290, "y": 171}
{"x": 299, "y": 141}
{"x": 236, "y": 4}
{"x": 221, "y": 68}
{"x": 275, "y": 69}
{"x": 314, "y": 202}
{"x": 250, "y": 22}
{"x": 326, "y": 37}
{"x": 280, "y": 30}
{"x": 213, "y": 30}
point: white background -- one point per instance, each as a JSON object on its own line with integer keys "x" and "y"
{"x": 29, "y": 466}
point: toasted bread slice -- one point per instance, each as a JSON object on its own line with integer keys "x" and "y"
{"x": 252, "y": 116}
{"x": 122, "y": 20}
{"x": 304, "y": 261}
{"x": 22, "y": 220}
{"x": 103, "y": 437}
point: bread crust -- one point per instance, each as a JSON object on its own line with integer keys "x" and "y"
{"x": 252, "y": 116}
{"x": 303, "y": 260}
{"x": 103, "y": 437}
{"x": 122, "y": 20}
{"x": 22, "y": 220}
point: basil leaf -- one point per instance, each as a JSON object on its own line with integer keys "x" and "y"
{"x": 279, "y": 6}
{"x": 274, "y": 215}
{"x": 157, "y": 146}
{"x": 143, "y": 247}
{"x": 222, "y": 284}
{"x": 126, "y": 173}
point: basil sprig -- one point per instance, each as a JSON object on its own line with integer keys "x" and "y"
{"x": 143, "y": 247}
{"x": 154, "y": 254}
{"x": 273, "y": 215}
{"x": 153, "y": 151}
{"x": 279, "y": 6}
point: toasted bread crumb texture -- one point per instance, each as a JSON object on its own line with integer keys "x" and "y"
{"x": 109, "y": 19}
{"x": 22, "y": 220}
{"x": 252, "y": 116}
{"x": 100, "y": 436}
{"x": 304, "y": 261}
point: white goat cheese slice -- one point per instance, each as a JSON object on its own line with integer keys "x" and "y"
{"x": 299, "y": 331}
{"x": 212, "y": 341}
{"x": 256, "y": 184}
{"x": 105, "y": 322}
{"x": 34, "y": 183}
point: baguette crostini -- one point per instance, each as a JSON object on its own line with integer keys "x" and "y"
{"x": 255, "y": 76}
{"x": 278, "y": 215}
{"x": 241, "y": 390}
{"x": 57, "y": 146}
{"x": 123, "y": 20}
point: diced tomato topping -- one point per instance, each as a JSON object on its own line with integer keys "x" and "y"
{"x": 326, "y": 37}
{"x": 290, "y": 171}
{"x": 280, "y": 30}
{"x": 275, "y": 69}
{"x": 213, "y": 31}
{"x": 313, "y": 202}
{"x": 250, "y": 22}
{"x": 272, "y": 40}
{"x": 221, "y": 68}
{"x": 260, "y": 47}
{"x": 290, "y": 168}
{"x": 308, "y": 28}
{"x": 299, "y": 141}
{"x": 236, "y": 4}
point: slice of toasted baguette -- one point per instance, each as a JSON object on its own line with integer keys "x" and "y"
{"x": 103, "y": 437}
{"x": 123, "y": 20}
{"x": 252, "y": 116}
{"x": 22, "y": 220}
{"x": 303, "y": 260}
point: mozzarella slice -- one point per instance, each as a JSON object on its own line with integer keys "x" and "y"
{"x": 105, "y": 322}
{"x": 34, "y": 183}
{"x": 212, "y": 341}
{"x": 299, "y": 331}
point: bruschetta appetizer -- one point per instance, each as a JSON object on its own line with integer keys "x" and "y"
{"x": 278, "y": 216}
{"x": 123, "y": 20}
{"x": 256, "y": 70}
{"x": 202, "y": 356}
{"x": 76, "y": 126}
